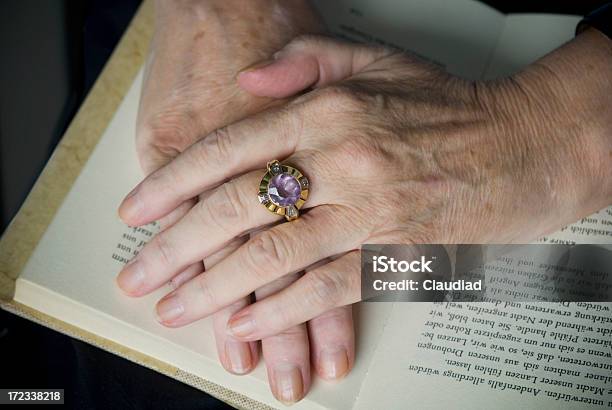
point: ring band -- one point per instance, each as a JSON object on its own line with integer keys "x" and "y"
{"x": 283, "y": 190}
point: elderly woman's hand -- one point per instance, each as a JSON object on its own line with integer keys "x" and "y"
{"x": 198, "y": 47}
{"x": 396, "y": 151}
{"x": 189, "y": 90}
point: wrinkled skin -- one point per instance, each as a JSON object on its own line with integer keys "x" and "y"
{"x": 396, "y": 151}
{"x": 189, "y": 90}
{"x": 197, "y": 50}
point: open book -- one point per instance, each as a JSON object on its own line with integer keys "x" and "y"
{"x": 420, "y": 355}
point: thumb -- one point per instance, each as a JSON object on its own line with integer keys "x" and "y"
{"x": 309, "y": 61}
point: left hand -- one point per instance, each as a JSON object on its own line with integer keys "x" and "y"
{"x": 190, "y": 89}
{"x": 396, "y": 151}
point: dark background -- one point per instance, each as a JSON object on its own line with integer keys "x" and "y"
{"x": 52, "y": 53}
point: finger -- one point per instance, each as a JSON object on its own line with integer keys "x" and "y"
{"x": 229, "y": 211}
{"x": 151, "y": 161}
{"x": 227, "y": 152}
{"x": 286, "y": 354}
{"x": 150, "y": 157}
{"x": 311, "y": 61}
{"x": 236, "y": 357}
{"x": 335, "y": 284}
{"x": 285, "y": 248}
{"x": 185, "y": 276}
{"x": 332, "y": 342}
{"x": 189, "y": 271}
{"x": 176, "y": 214}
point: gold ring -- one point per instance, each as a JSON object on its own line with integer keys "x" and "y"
{"x": 283, "y": 190}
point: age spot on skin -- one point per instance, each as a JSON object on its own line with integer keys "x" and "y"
{"x": 199, "y": 35}
{"x": 254, "y": 34}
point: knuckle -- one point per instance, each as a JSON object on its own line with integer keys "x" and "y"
{"x": 168, "y": 181}
{"x": 230, "y": 203}
{"x": 341, "y": 98}
{"x": 164, "y": 182}
{"x": 364, "y": 156}
{"x": 208, "y": 296}
{"x": 215, "y": 211}
{"x": 217, "y": 147}
{"x": 325, "y": 289}
{"x": 204, "y": 212}
{"x": 276, "y": 285}
{"x": 267, "y": 253}
{"x": 338, "y": 318}
{"x": 291, "y": 335}
{"x": 352, "y": 283}
{"x": 164, "y": 249}
{"x": 169, "y": 131}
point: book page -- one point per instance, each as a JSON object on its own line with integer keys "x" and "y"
{"x": 516, "y": 355}
{"x": 596, "y": 229}
{"x": 458, "y": 35}
{"x": 525, "y": 38}
{"x": 531, "y": 355}
{"x": 71, "y": 276}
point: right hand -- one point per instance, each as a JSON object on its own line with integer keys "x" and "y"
{"x": 189, "y": 90}
{"x": 497, "y": 175}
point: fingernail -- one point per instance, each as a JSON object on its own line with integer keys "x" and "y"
{"x": 333, "y": 363}
{"x": 131, "y": 278}
{"x": 131, "y": 205}
{"x": 288, "y": 383}
{"x": 169, "y": 308}
{"x": 241, "y": 326}
{"x": 238, "y": 355}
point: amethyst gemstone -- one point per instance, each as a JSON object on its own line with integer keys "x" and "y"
{"x": 284, "y": 190}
